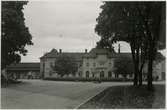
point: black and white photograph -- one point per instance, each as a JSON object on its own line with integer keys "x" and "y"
{"x": 83, "y": 54}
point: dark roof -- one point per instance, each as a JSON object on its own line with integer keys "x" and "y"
{"x": 79, "y": 55}
{"x": 50, "y": 54}
{"x": 24, "y": 66}
{"x": 94, "y": 51}
{"x": 124, "y": 55}
{"x": 53, "y": 54}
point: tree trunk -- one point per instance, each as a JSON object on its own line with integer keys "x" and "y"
{"x": 150, "y": 63}
{"x": 135, "y": 80}
{"x": 140, "y": 79}
{"x": 149, "y": 77}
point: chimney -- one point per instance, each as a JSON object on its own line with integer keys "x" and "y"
{"x": 119, "y": 48}
{"x": 60, "y": 50}
{"x": 86, "y": 50}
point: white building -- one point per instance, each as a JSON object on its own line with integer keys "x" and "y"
{"x": 97, "y": 63}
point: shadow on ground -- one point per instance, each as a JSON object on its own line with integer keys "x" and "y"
{"x": 128, "y": 97}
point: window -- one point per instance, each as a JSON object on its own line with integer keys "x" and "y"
{"x": 102, "y": 74}
{"x": 109, "y": 74}
{"x": 44, "y": 67}
{"x": 87, "y": 64}
{"x": 50, "y": 73}
{"x": 94, "y": 64}
{"x": 79, "y": 73}
{"x": 87, "y": 74}
{"x": 51, "y": 64}
{"x": 93, "y": 75}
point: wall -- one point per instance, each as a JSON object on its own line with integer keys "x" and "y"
{"x": 98, "y": 64}
{"x": 45, "y": 66}
{"x": 158, "y": 69}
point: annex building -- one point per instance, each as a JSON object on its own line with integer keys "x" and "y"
{"x": 22, "y": 70}
{"x": 97, "y": 63}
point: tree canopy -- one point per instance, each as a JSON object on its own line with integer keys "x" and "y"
{"x": 123, "y": 65}
{"x": 65, "y": 65}
{"x": 141, "y": 24}
{"x": 15, "y": 35}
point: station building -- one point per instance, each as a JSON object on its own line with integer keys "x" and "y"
{"x": 97, "y": 63}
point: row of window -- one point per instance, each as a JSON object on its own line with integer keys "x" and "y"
{"x": 101, "y": 74}
{"x": 87, "y": 64}
{"x": 94, "y": 64}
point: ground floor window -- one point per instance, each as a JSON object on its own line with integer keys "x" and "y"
{"x": 116, "y": 75}
{"x": 93, "y": 75}
{"x": 79, "y": 73}
{"x": 109, "y": 74}
{"x": 87, "y": 74}
{"x": 130, "y": 75}
{"x": 102, "y": 74}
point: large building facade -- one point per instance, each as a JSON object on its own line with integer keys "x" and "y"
{"x": 97, "y": 63}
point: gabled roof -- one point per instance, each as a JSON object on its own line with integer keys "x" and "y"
{"x": 54, "y": 54}
{"x": 50, "y": 54}
{"x": 92, "y": 54}
{"x": 79, "y": 55}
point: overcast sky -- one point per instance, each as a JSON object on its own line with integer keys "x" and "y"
{"x": 66, "y": 24}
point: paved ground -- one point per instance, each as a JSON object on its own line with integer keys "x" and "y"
{"x": 41, "y": 94}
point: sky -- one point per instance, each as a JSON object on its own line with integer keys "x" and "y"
{"x": 62, "y": 24}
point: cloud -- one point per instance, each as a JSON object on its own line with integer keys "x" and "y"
{"x": 65, "y": 24}
{"x": 68, "y": 25}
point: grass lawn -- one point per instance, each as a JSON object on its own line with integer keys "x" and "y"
{"x": 128, "y": 97}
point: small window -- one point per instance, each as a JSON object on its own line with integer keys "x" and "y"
{"x": 51, "y": 64}
{"x": 87, "y": 64}
{"x": 109, "y": 74}
{"x": 93, "y": 75}
{"x": 79, "y": 74}
{"x": 87, "y": 74}
{"x": 102, "y": 74}
{"x": 94, "y": 64}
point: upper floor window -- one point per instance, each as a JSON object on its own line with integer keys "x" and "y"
{"x": 101, "y": 64}
{"x": 51, "y": 64}
{"x": 87, "y": 64}
{"x": 80, "y": 73}
{"x": 94, "y": 64}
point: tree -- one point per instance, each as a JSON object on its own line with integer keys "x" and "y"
{"x": 153, "y": 19}
{"x": 15, "y": 35}
{"x": 123, "y": 65}
{"x": 65, "y": 65}
{"x": 132, "y": 22}
{"x": 119, "y": 21}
